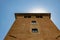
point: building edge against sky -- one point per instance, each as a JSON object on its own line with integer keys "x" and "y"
{"x": 32, "y": 26}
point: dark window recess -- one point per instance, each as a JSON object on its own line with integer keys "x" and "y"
{"x": 39, "y": 16}
{"x": 34, "y": 30}
{"x": 33, "y": 22}
{"x": 27, "y": 16}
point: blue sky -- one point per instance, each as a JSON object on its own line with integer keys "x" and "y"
{"x": 9, "y": 7}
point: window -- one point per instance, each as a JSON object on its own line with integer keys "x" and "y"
{"x": 33, "y": 22}
{"x": 34, "y": 30}
{"x": 39, "y": 16}
{"x": 27, "y": 16}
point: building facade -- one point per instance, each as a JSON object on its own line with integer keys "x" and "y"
{"x": 33, "y": 26}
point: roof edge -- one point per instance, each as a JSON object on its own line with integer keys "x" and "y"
{"x": 18, "y": 14}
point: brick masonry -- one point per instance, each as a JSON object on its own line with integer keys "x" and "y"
{"x": 22, "y": 28}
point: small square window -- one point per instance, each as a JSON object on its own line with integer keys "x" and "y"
{"x": 39, "y": 16}
{"x": 33, "y": 22}
{"x": 27, "y": 16}
{"x": 34, "y": 30}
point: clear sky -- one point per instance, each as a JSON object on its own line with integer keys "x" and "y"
{"x": 9, "y": 7}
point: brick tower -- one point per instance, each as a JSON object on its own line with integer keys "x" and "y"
{"x": 33, "y": 26}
